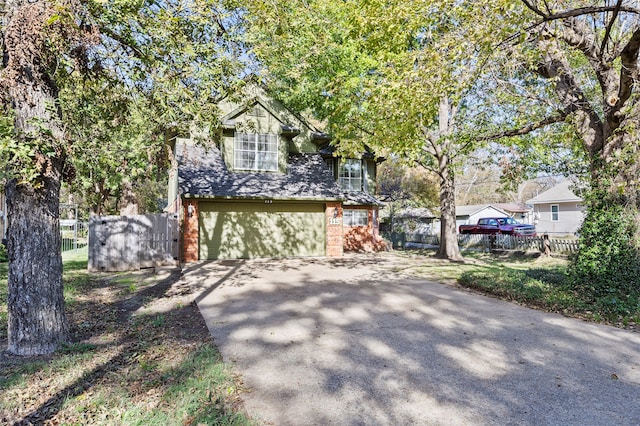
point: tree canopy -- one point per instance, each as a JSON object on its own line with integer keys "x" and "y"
{"x": 393, "y": 75}
{"x": 87, "y": 86}
{"x": 574, "y": 72}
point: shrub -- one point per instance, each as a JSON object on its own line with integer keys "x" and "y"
{"x": 3, "y": 253}
{"x": 606, "y": 268}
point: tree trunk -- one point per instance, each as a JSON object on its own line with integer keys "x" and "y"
{"x": 37, "y": 322}
{"x": 128, "y": 200}
{"x": 449, "y": 248}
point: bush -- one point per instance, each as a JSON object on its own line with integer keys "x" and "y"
{"x": 3, "y": 253}
{"x": 606, "y": 268}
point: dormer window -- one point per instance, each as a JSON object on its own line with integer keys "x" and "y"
{"x": 328, "y": 162}
{"x": 350, "y": 175}
{"x": 256, "y": 152}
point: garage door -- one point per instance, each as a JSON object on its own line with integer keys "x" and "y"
{"x": 248, "y": 230}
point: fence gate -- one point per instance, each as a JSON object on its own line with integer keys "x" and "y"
{"x": 124, "y": 243}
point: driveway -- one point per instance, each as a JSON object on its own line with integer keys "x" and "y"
{"x": 350, "y": 342}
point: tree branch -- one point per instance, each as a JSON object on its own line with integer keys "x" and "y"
{"x": 534, "y": 9}
{"x": 573, "y": 98}
{"x": 629, "y": 69}
{"x": 580, "y": 11}
{"x": 123, "y": 42}
{"x": 576, "y": 36}
{"x": 607, "y": 32}
{"x": 426, "y": 167}
{"x": 524, "y": 130}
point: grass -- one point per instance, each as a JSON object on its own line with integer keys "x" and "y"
{"x": 528, "y": 279}
{"x": 138, "y": 356}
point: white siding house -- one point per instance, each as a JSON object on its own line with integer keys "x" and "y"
{"x": 469, "y": 215}
{"x": 558, "y": 211}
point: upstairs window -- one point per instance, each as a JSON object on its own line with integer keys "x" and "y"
{"x": 350, "y": 175}
{"x": 256, "y": 151}
{"x": 329, "y": 163}
{"x": 555, "y": 212}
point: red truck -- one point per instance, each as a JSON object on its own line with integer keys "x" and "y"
{"x": 499, "y": 225}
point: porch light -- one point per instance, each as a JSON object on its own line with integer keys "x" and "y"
{"x": 335, "y": 212}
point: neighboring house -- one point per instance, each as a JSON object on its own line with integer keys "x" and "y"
{"x": 424, "y": 221}
{"x": 469, "y": 215}
{"x": 417, "y": 220}
{"x": 270, "y": 187}
{"x": 558, "y": 211}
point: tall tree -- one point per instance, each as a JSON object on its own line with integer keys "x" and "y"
{"x": 171, "y": 53}
{"x": 393, "y": 75}
{"x": 587, "y": 52}
{"x": 575, "y": 73}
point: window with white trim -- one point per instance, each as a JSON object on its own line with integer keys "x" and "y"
{"x": 351, "y": 217}
{"x": 555, "y": 212}
{"x": 256, "y": 151}
{"x": 350, "y": 175}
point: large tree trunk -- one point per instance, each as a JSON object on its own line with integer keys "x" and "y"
{"x": 37, "y": 323}
{"x": 449, "y": 248}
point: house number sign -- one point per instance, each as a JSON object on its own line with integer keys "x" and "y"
{"x": 334, "y": 221}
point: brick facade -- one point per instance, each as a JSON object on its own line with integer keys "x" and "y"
{"x": 190, "y": 231}
{"x": 363, "y": 238}
{"x": 333, "y": 213}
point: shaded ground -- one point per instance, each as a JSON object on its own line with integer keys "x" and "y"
{"x": 135, "y": 337}
{"x": 352, "y": 341}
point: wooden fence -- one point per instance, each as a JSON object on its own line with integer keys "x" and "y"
{"x": 123, "y": 243}
{"x": 487, "y": 242}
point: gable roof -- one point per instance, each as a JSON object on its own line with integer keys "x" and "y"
{"x": 512, "y": 207}
{"x": 472, "y": 209}
{"x": 203, "y": 173}
{"x": 561, "y": 193}
{"x": 257, "y": 96}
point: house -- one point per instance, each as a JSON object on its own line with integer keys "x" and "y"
{"x": 419, "y": 220}
{"x": 270, "y": 187}
{"x": 470, "y": 214}
{"x": 558, "y": 211}
{"x": 424, "y": 221}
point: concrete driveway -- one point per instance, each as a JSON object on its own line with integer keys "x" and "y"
{"x": 350, "y": 342}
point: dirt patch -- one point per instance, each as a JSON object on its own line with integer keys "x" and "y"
{"x": 131, "y": 336}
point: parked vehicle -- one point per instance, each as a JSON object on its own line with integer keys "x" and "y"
{"x": 499, "y": 225}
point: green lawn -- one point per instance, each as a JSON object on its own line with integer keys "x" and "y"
{"x": 536, "y": 281}
{"x": 129, "y": 363}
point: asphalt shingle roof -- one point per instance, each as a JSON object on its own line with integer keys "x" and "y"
{"x": 562, "y": 192}
{"x": 203, "y": 173}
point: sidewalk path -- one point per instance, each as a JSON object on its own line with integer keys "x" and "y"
{"x": 346, "y": 342}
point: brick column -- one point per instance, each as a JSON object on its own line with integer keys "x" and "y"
{"x": 334, "y": 229}
{"x": 190, "y": 231}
